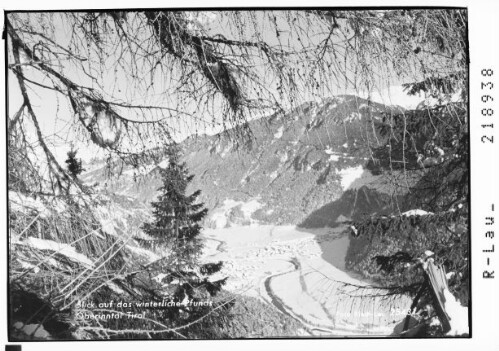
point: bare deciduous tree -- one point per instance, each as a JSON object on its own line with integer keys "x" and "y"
{"x": 135, "y": 80}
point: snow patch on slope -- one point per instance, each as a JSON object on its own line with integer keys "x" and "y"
{"x": 284, "y": 158}
{"x": 279, "y": 132}
{"x": 334, "y": 156}
{"x": 353, "y": 116}
{"x": 457, "y": 313}
{"x": 147, "y": 255}
{"x": 220, "y": 218}
{"x": 19, "y": 202}
{"x": 349, "y": 175}
{"x": 328, "y": 150}
{"x": 416, "y": 212}
{"x": 164, "y": 164}
{"x": 226, "y": 150}
{"x": 250, "y": 207}
{"x": 63, "y": 249}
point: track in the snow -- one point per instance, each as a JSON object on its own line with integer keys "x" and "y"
{"x": 281, "y": 306}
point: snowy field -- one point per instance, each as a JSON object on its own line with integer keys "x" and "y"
{"x": 302, "y": 273}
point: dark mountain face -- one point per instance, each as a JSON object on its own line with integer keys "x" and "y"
{"x": 305, "y": 167}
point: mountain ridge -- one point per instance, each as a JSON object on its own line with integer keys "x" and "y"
{"x": 294, "y": 164}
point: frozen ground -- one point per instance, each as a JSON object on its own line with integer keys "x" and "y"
{"x": 302, "y": 274}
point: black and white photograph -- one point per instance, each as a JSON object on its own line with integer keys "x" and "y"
{"x": 253, "y": 173}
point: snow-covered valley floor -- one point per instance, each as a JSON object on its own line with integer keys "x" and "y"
{"x": 301, "y": 272}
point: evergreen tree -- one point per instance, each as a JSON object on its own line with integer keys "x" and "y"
{"x": 433, "y": 143}
{"x": 73, "y": 164}
{"x": 426, "y": 152}
{"x": 176, "y": 225}
{"x": 176, "y": 214}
